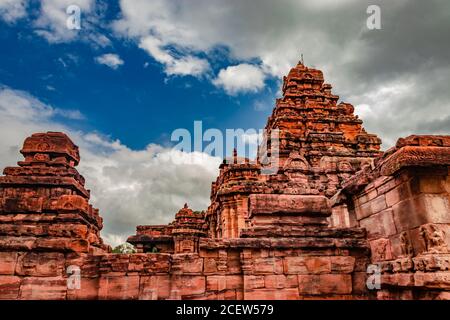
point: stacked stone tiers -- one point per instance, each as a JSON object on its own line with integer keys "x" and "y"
{"x": 43, "y": 202}
{"x": 321, "y": 144}
{"x": 180, "y": 236}
{"x": 153, "y": 238}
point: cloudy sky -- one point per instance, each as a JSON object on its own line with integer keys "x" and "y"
{"x": 138, "y": 69}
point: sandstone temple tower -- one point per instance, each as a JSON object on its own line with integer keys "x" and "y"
{"x": 335, "y": 213}
{"x": 321, "y": 143}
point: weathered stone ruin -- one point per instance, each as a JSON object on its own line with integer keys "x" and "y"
{"x": 402, "y": 201}
{"x": 337, "y": 214}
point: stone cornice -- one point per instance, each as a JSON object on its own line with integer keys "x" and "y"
{"x": 413, "y": 151}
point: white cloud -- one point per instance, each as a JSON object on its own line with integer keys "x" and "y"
{"x": 69, "y": 114}
{"x": 20, "y": 105}
{"x": 151, "y": 23}
{"x": 333, "y": 37}
{"x": 241, "y": 78}
{"x": 271, "y": 34}
{"x": 268, "y": 32}
{"x": 12, "y": 10}
{"x": 52, "y": 21}
{"x": 261, "y": 105}
{"x": 110, "y": 59}
{"x": 130, "y": 187}
{"x": 398, "y": 108}
{"x": 16, "y": 104}
{"x": 133, "y": 187}
{"x": 186, "y": 65}
{"x": 97, "y": 39}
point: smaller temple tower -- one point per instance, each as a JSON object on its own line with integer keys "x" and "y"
{"x": 188, "y": 227}
{"x": 180, "y": 236}
{"x": 44, "y": 200}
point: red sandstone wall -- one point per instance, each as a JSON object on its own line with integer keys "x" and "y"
{"x": 404, "y": 204}
{"x": 392, "y": 205}
{"x": 395, "y": 211}
{"x": 245, "y": 271}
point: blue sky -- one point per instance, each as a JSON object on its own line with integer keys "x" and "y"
{"x": 137, "y": 103}
{"x": 139, "y": 69}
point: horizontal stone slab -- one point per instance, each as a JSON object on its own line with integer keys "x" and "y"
{"x": 46, "y": 181}
{"x": 301, "y": 231}
{"x": 416, "y": 156}
{"x": 149, "y": 239}
{"x": 289, "y": 204}
{"x": 284, "y": 243}
{"x": 48, "y": 243}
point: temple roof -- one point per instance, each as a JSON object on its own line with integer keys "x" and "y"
{"x": 52, "y": 148}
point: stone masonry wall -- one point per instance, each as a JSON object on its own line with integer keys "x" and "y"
{"x": 404, "y": 204}
{"x": 245, "y": 270}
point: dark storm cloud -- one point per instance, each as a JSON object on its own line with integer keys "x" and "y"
{"x": 412, "y": 35}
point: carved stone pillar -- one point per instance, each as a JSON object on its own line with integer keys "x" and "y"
{"x": 222, "y": 260}
{"x": 246, "y": 261}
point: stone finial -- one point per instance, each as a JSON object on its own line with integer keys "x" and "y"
{"x": 52, "y": 148}
{"x": 301, "y": 61}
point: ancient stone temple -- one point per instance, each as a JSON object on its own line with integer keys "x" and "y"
{"x": 336, "y": 219}
{"x": 181, "y": 236}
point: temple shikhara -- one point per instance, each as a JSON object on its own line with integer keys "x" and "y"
{"x": 337, "y": 219}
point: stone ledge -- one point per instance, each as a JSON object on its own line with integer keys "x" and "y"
{"x": 301, "y": 232}
{"x": 413, "y": 151}
{"x": 289, "y": 205}
{"x": 409, "y": 156}
{"x": 283, "y": 243}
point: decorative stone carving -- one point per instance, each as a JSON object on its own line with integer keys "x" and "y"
{"x": 246, "y": 261}
{"x": 428, "y": 263}
{"x": 405, "y": 245}
{"x": 222, "y": 260}
{"x": 433, "y": 239}
{"x": 381, "y": 249}
{"x": 345, "y": 166}
{"x": 296, "y": 161}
